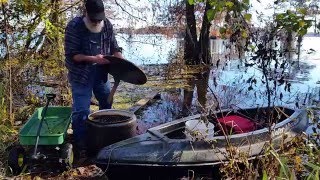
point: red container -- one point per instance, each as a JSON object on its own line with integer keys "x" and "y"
{"x": 237, "y": 124}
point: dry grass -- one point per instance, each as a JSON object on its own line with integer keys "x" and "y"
{"x": 8, "y": 135}
{"x": 297, "y": 159}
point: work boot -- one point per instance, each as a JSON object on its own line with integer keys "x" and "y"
{"x": 80, "y": 151}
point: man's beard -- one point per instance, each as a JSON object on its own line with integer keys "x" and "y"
{"x": 96, "y": 28}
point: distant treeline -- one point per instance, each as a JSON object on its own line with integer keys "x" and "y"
{"x": 168, "y": 31}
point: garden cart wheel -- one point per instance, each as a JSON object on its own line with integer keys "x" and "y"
{"x": 67, "y": 155}
{"x": 17, "y": 159}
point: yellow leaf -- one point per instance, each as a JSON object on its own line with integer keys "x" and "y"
{"x": 37, "y": 178}
{"x": 3, "y": 1}
{"x": 301, "y": 23}
{"x": 297, "y": 164}
{"x": 298, "y": 159}
{"x": 191, "y": 2}
{"x": 244, "y": 34}
{"x": 229, "y": 4}
{"x": 247, "y": 17}
{"x": 302, "y": 11}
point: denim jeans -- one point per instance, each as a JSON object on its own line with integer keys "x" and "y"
{"x": 81, "y": 96}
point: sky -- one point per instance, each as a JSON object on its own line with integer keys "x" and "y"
{"x": 260, "y": 8}
{"x": 145, "y": 8}
{"x": 143, "y": 14}
{"x": 142, "y": 9}
{"x": 264, "y": 7}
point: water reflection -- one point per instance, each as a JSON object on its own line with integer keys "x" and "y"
{"x": 235, "y": 80}
{"x": 162, "y": 110}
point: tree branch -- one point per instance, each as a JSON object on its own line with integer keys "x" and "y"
{"x": 124, "y": 10}
{"x": 73, "y": 5}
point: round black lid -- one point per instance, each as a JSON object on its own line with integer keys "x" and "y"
{"x": 122, "y": 69}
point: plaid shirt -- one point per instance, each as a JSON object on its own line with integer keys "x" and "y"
{"x": 77, "y": 41}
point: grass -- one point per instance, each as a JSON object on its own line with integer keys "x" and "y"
{"x": 8, "y": 135}
{"x": 125, "y": 101}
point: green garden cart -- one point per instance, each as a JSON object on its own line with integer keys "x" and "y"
{"x": 42, "y": 139}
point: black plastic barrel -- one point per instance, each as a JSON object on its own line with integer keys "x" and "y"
{"x": 109, "y": 126}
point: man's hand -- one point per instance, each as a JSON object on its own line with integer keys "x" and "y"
{"x": 118, "y": 55}
{"x": 99, "y": 59}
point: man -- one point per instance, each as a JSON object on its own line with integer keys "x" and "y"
{"x": 87, "y": 40}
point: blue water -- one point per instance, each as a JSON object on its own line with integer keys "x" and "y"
{"x": 148, "y": 48}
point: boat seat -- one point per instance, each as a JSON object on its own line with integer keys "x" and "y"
{"x": 237, "y": 124}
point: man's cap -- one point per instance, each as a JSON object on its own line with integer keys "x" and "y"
{"x": 95, "y": 9}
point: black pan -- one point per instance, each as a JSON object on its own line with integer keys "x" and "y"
{"x": 123, "y": 70}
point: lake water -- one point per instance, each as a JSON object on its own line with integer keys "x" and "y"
{"x": 147, "y": 49}
{"x": 303, "y": 78}
{"x": 156, "y": 49}
{"x": 232, "y": 83}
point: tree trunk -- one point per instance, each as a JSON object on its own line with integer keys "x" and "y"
{"x": 55, "y": 53}
{"x": 299, "y": 49}
{"x": 191, "y": 43}
{"x": 204, "y": 38}
{"x": 197, "y": 53}
{"x": 202, "y": 86}
{"x": 7, "y": 57}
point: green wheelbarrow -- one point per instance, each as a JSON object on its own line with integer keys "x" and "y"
{"x": 42, "y": 139}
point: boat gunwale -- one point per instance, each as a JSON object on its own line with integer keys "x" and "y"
{"x": 286, "y": 122}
